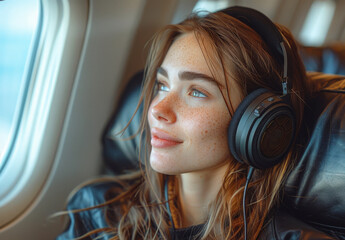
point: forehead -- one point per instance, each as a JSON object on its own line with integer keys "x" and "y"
{"x": 185, "y": 53}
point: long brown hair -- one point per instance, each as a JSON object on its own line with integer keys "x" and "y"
{"x": 232, "y": 50}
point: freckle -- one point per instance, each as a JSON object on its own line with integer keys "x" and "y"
{"x": 206, "y": 131}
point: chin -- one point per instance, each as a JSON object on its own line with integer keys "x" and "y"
{"x": 164, "y": 166}
{"x": 164, "y": 169}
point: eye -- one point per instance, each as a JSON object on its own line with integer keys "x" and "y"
{"x": 197, "y": 93}
{"x": 162, "y": 87}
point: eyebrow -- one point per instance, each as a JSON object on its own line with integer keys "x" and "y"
{"x": 189, "y": 75}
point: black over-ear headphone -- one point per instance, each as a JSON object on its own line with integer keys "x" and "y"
{"x": 262, "y": 128}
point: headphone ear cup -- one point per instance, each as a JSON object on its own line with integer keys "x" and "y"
{"x": 242, "y": 107}
{"x": 261, "y": 130}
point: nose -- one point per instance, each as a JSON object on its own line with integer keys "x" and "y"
{"x": 163, "y": 110}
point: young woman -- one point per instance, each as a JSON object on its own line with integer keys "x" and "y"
{"x": 191, "y": 186}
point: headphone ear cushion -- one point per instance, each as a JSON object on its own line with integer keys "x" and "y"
{"x": 242, "y": 107}
{"x": 262, "y": 129}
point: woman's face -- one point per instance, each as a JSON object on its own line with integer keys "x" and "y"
{"x": 188, "y": 117}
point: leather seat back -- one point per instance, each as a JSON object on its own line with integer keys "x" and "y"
{"x": 315, "y": 189}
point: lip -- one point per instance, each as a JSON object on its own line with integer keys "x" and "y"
{"x": 162, "y": 139}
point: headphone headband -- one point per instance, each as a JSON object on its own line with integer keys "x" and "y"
{"x": 267, "y": 31}
{"x": 262, "y": 128}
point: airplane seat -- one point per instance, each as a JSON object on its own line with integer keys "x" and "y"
{"x": 314, "y": 192}
{"x": 328, "y": 59}
{"x": 119, "y": 155}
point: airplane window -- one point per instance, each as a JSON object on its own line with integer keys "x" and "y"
{"x": 317, "y": 23}
{"x": 18, "y": 26}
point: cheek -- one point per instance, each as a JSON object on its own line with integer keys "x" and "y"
{"x": 209, "y": 129}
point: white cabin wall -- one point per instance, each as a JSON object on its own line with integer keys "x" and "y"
{"x": 95, "y": 75}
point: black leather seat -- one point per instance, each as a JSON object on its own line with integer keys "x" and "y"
{"x": 328, "y": 59}
{"x": 121, "y": 156}
{"x": 314, "y": 191}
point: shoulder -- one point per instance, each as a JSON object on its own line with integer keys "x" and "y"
{"x": 284, "y": 226}
{"x": 92, "y": 195}
{"x": 85, "y": 209}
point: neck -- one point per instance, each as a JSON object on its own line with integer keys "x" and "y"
{"x": 197, "y": 190}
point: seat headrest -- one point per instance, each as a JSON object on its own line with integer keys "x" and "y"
{"x": 315, "y": 188}
{"x": 328, "y": 59}
{"x": 121, "y": 155}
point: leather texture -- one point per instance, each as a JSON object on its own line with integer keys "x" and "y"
{"x": 83, "y": 222}
{"x": 314, "y": 190}
{"x": 282, "y": 225}
{"x": 120, "y": 155}
{"x": 328, "y": 59}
